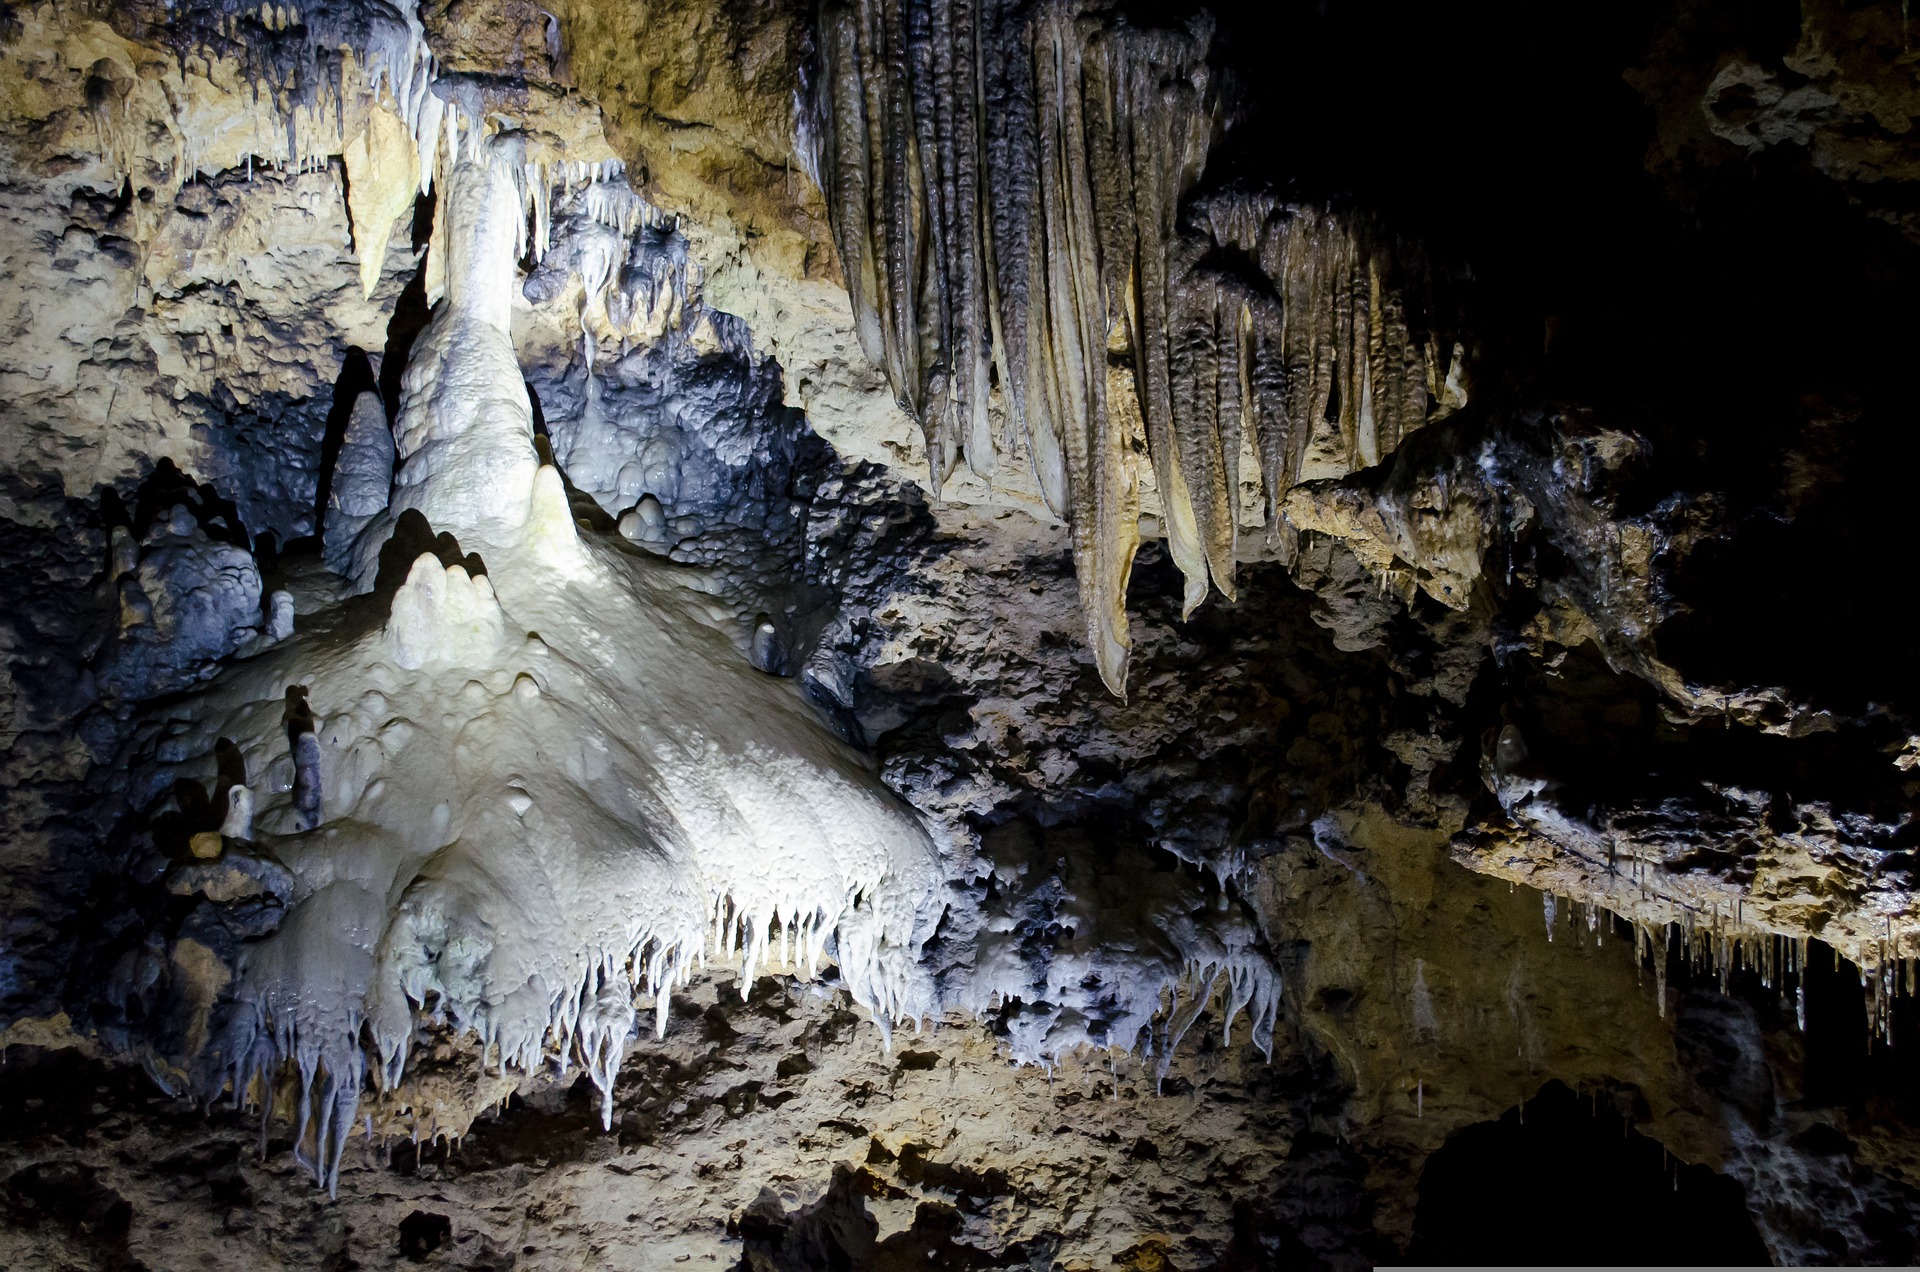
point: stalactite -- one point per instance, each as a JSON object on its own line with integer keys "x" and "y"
{"x": 1014, "y": 187}
{"x": 1160, "y": 156}
{"x": 1012, "y": 168}
{"x": 1101, "y": 483}
{"x": 972, "y": 326}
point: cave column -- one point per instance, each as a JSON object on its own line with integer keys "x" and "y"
{"x": 464, "y": 436}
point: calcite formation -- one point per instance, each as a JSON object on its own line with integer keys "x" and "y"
{"x": 436, "y": 784}
{"x": 1008, "y": 187}
{"x": 474, "y": 820}
{"x": 963, "y": 633}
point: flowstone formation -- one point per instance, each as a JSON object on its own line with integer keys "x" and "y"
{"x": 529, "y": 802}
{"x": 532, "y": 795}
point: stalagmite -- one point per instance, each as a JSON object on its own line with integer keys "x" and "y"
{"x": 306, "y": 758}
{"x": 513, "y": 805}
{"x": 464, "y": 439}
{"x": 238, "y": 823}
{"x": 362, "y": 482}
{"x": 279, "y": 615}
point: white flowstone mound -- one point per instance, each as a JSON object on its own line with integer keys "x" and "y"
{"x": 529, "y": 800}
{"x": 532, "y": 799}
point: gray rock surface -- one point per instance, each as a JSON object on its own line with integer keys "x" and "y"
{"x": 191, "y": 601}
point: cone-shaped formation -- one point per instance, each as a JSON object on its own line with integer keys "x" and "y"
{"x": 1010, "y": 190}
{"x": 547, "y": 788}
{"x": 521, "y": 836}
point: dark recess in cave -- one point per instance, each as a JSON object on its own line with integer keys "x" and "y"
{"x": 1738, "y": 315}
{"x": 422, "y": 1232}
{"x": 1565, "y": 1179}
{"x": 410, "y": 314}
{"x": 165, "y": 488}
{"x": 1848, "y": 1065}
{"x": 356, "y": 377}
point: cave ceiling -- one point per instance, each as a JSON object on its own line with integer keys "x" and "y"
{"x": 964, "y": 633}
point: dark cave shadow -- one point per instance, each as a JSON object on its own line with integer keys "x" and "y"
{"x": 356, "y": 377}
{"x": 1566, "y": 1179}
{"x": 413, "y": 537}
{"x": 166, "y": 487}
{"x": 410, "y": 314}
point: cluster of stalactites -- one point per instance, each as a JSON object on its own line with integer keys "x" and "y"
{"x": 1009, "y": 186}
{"x": 630, "y": 293}
{"x": 296, "y": 60}
{"x": 1717, "y": 942}
{"x": 638, "y": 282}
{"x": 604, "y": 196}
{"x": 588, "y": 1020}
{"x": 320, "y": 69}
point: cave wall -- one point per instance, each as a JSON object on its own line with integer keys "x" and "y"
{"x": 1616, "y": 632}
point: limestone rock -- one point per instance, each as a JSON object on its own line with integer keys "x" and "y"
{"x": 191, "y": 601}
{"x": 685, "y": 745}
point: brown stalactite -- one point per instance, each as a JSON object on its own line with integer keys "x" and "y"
{"x": 1193, "y": 362}
{"x": 1235, "y": 326}
{"x": 1015, "y": 185}
{"x": 901, "y": 213}
{"x": 928, "y": 48}
{"x": 848, "y": 178}
{"x": 1152, "y": 162}
{"x": 1075, "y": 311}
{"x": 1268, "y": 377}
{"x": 1346, "y": 397}
{"x": 1009, "y": 216}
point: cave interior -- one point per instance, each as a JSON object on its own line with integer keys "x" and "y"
{"x": 862, "y": 634}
